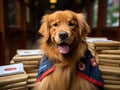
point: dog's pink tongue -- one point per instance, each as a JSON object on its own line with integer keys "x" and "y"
{"x": 64, "y": 49}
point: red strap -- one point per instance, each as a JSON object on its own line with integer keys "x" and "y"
{"x": 90, "y": 79}
{"x": 46, "y": 73}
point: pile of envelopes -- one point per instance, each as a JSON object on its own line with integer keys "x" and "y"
{"x": 31, "y": 62}
{"x": 107, "y": 54}
{"x": 13, "y": 77}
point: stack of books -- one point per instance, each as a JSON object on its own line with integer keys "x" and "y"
{"x": 107, "y": 54}
{"x": 31, "y": 60}
{"x": 31, "y": 80}
{"x": 13, "y": 77}
{"x": 109, "y": 58}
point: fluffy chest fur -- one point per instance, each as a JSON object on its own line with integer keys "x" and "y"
{"x": 65, "y": 78}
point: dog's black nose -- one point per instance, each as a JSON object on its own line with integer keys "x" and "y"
{"x": 63, "y": 35}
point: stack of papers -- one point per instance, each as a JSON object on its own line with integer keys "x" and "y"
{"x": 96, "y": 45}
{"x": 13, "y": 77}
{"x": 31, "y": 60}
{"x": 107, "y": 54}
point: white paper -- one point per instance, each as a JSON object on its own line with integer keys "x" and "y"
{"x": 102, "y": 39}
{"x": 29, "y": 52}
{"x": 11, "y": 69}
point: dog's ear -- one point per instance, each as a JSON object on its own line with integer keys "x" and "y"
{"x": 84, "y": 28}
{"x": 44, "y": 29}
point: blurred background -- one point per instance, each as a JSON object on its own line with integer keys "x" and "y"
{"x": 20, "y": 21}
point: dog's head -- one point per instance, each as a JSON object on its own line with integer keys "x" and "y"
{"x": 64, "y": 31}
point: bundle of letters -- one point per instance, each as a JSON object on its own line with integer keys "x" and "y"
{"x": 107, "y": 54}
{"x": 30, "y": 60}
{"x": 13, "y": 77}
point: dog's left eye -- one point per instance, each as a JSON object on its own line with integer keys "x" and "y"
{"x": 71, "y": 23}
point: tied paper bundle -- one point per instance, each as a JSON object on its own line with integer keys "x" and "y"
{"x": 107, "y": 53}
{"x": 109, "y": 57}
{"x": 30, "y": 60}
{"x": 13, "y": 77}
{"x": 31, "y": 80}
{"x": 98, "y": 44}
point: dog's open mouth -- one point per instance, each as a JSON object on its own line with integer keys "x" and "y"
{"x": 64, "y": 48}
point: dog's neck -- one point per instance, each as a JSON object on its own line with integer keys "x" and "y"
{"x": 64, "y": 60}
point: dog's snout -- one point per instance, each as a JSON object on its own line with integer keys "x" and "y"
{"x": 63, "y": 35}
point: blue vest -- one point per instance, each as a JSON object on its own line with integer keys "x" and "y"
{"x": 87, "y": 68}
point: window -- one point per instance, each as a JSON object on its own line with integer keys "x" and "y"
{"x": 14, "y": 13}
{"x": 95, "y": 13}
{"x": 11, "y": 8}
{"x": 113, "y": 13}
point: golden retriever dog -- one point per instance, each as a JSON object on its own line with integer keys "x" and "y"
{"x": 64, "y": 44}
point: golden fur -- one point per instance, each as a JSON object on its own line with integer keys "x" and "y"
{"x": 64, "y": 77}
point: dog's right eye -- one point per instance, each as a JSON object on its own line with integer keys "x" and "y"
{"x": 55, "y": 24}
